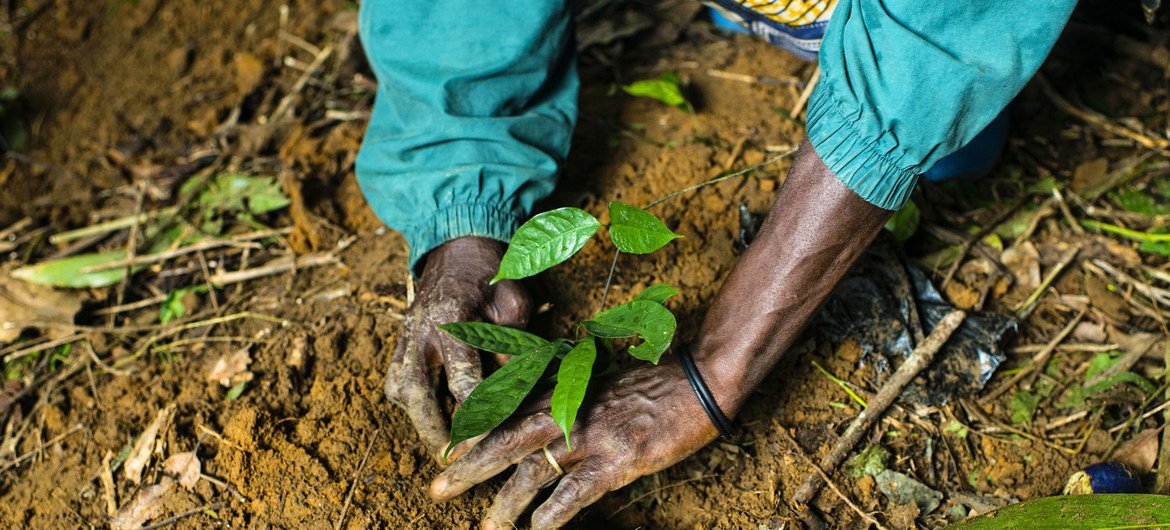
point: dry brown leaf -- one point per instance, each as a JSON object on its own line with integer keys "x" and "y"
{"x": 232, "y": 369}
{"x": 1090, "y": 332}
{"x": 185, "y": 467}
{"x": 144, "y": 446}
{"x": 146, "y": 506}
{"x": 1090, "y": 174}
{"x": 249, "y": 72}
{"x": 22, "y": 303}
{"x": 1141, "y": 451}
{"x": 1023, "y": 261}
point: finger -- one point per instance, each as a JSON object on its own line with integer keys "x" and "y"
{"x": 504, "y": 447}
{"x": 409, "y": 386}
{"x": 510, "y": 305}
{"x": 532, "y": 474}
{"x": 461, "y": 362}
{"x": 578, "y": 489}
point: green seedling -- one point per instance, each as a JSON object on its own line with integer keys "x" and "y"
{"x": 543, "y": 242}
{"x": 666, "y": 89}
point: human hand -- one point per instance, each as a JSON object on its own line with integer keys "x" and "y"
{"x": 453, "y": 288}
{"x": 645, "y": 420}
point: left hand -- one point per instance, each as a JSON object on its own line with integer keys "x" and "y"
{"x": 645, "y": 420}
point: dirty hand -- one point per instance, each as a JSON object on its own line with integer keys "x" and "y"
{"x": 646, "y": 420}
{"x": 453, "y": 288}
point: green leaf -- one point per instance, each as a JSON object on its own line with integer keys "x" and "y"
{"x": 667, "y": 89}
{"x": 234, "y": 392}
{"x": 1138, "y": 202}
{"x": 1116, "y": 511}
{"x": 572, "y": 381}
{"x": 659, "y": 292}
{"x": 636, "y": 231}
{"x": 172, "y": 307}
{"x": 649, "y": 320}
{"x": 498, "y": 396}
{"x": 67, "y": 272}
{"x": 869, "y": 461}
{"x": 904, "y": 223}
{"x": 1023, "y": 406}
{"x": 493, "y": 338}
{"x": 546, "y": 240}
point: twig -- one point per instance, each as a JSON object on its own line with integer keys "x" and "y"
{"x": 17, "y": 461}
{"x": 16, "y": 354}
{"x": 131, "y": 249}
{"x": 109, "y": 226}
{"x": 1025, "y": 307}
{"x": 825, "y": 477}
{"x": 635, "y": 500}
{"x": 356, "y": 476}
{"x": 1096, "y": 119}
{"x": 177, "y": 517}
{"x": 804, "y": 94}
{"x": 206, "y": 244}
{"x": 1064, "y": 210}
{"x": 921, "y": 358}
{"x": 1038, "y": 360}
{"x": 975, "y": 239}
{"x": 609, "y": 279}
{"x": 276, "y": 266}
{"x": 719, "y": 178}
{"x": 1162, "y": 480}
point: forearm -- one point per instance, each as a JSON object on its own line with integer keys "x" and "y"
{"x": 815, "y": 231}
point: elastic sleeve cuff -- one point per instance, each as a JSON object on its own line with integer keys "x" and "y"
{"x": 455, "y": 221}
{"x": 855, "y": 157}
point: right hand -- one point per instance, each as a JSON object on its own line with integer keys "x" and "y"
{"x": 453, "y": 288}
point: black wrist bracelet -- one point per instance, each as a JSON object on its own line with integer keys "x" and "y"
{"x": 714, "y": 413}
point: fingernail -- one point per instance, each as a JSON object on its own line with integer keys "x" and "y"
{"x": 439, "y": 487}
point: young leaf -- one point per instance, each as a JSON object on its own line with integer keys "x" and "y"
{"x": 904, "y": 222}
{"x": 498, "y": 396}
{"x": 493, "y": 338}
{"x": 659, "y": 292}
{"x": 636, "y": 231}
{"x": 546, "y": 240}
{"x": 667, "y": 89}
{"x": 172, "y": 307}
{"x": 649, "y": 320}
{"x": 66, "y": 272}
{"x": 572, "y": 380}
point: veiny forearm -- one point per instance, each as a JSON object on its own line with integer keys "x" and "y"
{"x": 815, "y": 231}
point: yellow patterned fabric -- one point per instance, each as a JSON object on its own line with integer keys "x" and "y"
{"x": 792, "y": 12}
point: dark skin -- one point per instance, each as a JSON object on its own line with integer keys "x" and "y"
{"x": 648, "y": 419}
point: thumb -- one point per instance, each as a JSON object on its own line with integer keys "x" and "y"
{"x": 509, "y": 305}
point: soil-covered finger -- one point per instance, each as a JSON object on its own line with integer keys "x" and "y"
{"x": 532, "y": 474}
{"x": 501, "y": 449}
{"x": 510, "y": 305}
{"x": 579, "y": 488}
{"x": 463, "y": 367}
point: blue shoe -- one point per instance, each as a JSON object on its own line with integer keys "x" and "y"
{"x": 794, "y": 25}
{"x": 975, "y": 159}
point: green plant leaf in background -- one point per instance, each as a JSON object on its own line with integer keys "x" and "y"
{"x": 1070, "y": 512}
{"x": 67, "y": 271}
{"x": 172, "y": 307}
{"x": 1138, "y": 202}
{"x": 666, "y": 89}
{"x": 651, "y": 321}
{"x": 904, "y": 223}
{"x": 572, "y": 381}
{"x": 546, "y": 240}
{"x": 500, "y": 394}
{"x": 1023, "y": 406}
{"x": 492, "y": 338}
{"x": 636, "y": 231}
{"x": 659, "y": 292}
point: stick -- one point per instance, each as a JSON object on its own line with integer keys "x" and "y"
{"x": 108, "y": 226}
{"x": 207, "y": 244}
{"x": 356, "y": 475}
{"x": 1038, "y": 361}
{"x": 1096, "y": 119}
{"x": 1162, "y": 477}
{"x": 919, "y": 359}
{"x": 16, "y": 354}
{"x": 804, "y": 95}
{"x": 172, "y": 520}
{"x": 804, "y": 456}
{"x": 275, "y": 266}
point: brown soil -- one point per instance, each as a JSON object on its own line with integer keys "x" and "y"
{"x": 118, "y": 91}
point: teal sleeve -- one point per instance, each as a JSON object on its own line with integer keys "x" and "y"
{"x": 474, "y": 112}
{"x": 906, "y": 82}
